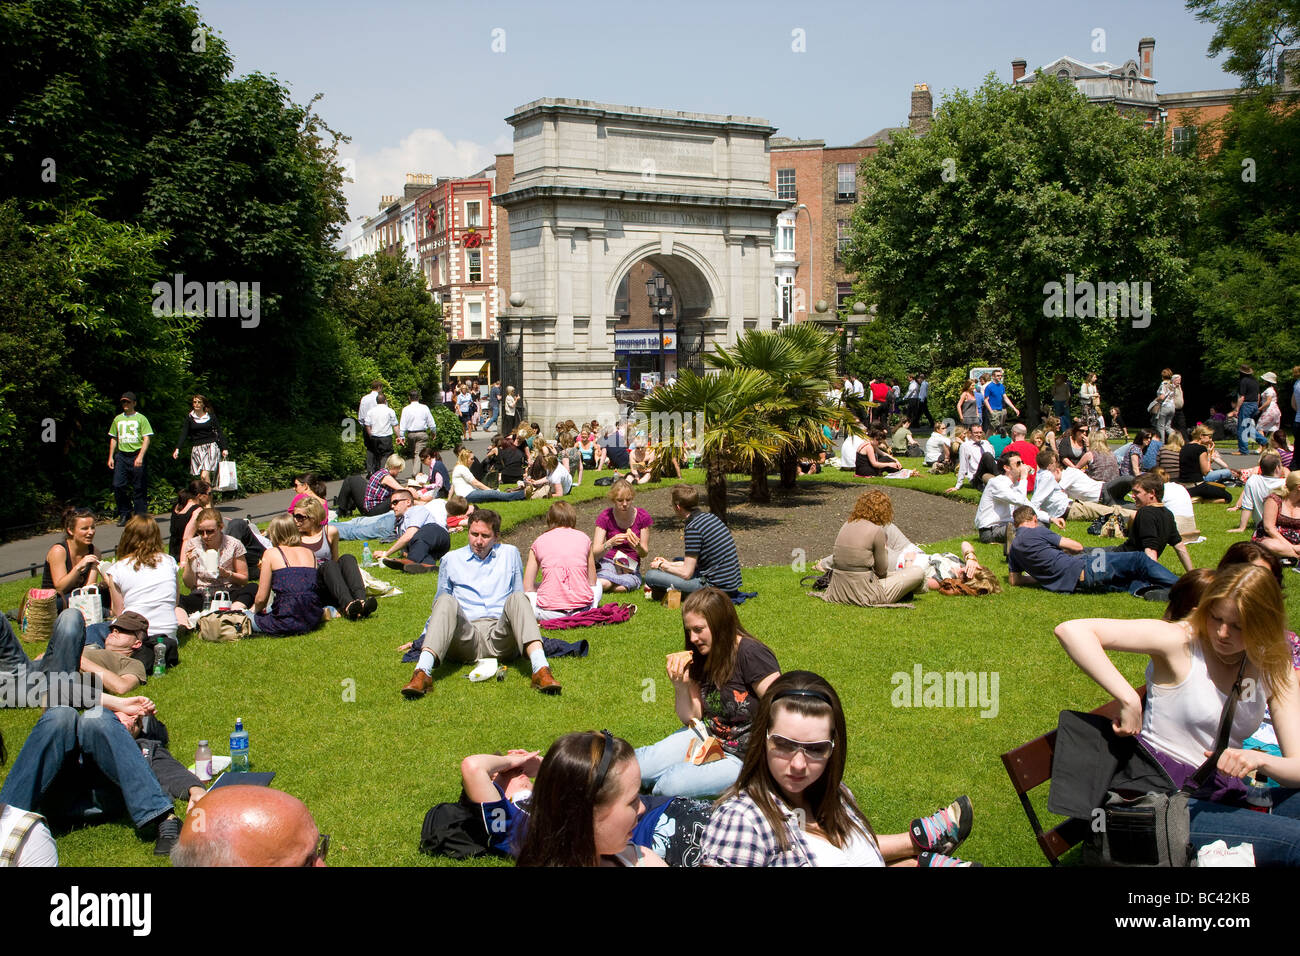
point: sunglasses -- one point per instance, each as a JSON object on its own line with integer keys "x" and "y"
{"x": 816, "y": 750}
{"x": 321, "y": 852}
{"x": 302, "y": 517}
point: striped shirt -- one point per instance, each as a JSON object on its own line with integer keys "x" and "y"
{"x": 709, "y": 541}
{"x": 740, "y": 835}
{"x": 376, "y": 490}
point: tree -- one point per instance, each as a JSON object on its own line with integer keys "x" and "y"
{"x": 383, "y": 301}
{"x": 1254, "y": 32}
{"x": 734, "y": 404}
{"x": 800, "y": 361}
{"x": 1013, "y": 189}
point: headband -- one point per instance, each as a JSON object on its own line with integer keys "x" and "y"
{"x": 802, "y": 692}
{"x": 606, "y": 757}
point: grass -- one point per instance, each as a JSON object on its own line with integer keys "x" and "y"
{"x": 323, "y": 710}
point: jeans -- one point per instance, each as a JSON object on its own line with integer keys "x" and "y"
{"x": 1218, "y": 474}
{"x": 1275, "y": 836}
{"x": 1062, "y": 411}
{"x": 62, "y": 654}
{"x": 377, "y": 528}
{"x": 608, "y": 571}
{"x": 1116, "y": 490}
{"x": 492, "y": 418}
{"x": 489, "y": 494}
{"x": 1133, "y": 571}
{"x": 129, "y": 484}
{"x": 82, "y": 767}
{"x": 1246, "y": 425}
{"x": 665, "y": 771}
{"x": 1161, "y": 421}
{"x": 654, "y": 578}
{"x": 430, "y": 543}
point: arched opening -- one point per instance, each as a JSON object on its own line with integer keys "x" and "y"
{"x": 659, "y": 333}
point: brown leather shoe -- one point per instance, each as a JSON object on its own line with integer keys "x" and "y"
{"x": 545, "y": 682}
{"x": 421, "y": 683}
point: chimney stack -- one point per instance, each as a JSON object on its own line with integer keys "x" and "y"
{"x": 922, "y": 109}
{"x": 1017, "y": 69}
{"x": 1146, "y": 55}
{"x": 1288, "y": 70}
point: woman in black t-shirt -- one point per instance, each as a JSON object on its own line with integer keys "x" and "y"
{"x": 718, "y": 680}
{"x": 1194, "y": 463}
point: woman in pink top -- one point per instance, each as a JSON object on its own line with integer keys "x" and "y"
{"x": 564, "y": 556}
{"x": 622, "y": 540}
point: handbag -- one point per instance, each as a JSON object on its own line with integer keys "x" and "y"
{"x": 1154, "y": 829}
{"x": 36, "y": 616}
{"x": 221, "y": 627}
{"x": 227, "y": 476}
{"x": 86, "y": 600}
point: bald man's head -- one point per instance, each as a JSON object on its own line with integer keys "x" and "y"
{"x": 248, "y": 826}
{"x": 1018, "y": 432}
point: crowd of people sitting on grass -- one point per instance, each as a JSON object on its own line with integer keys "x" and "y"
{"x": 767, "y": 747}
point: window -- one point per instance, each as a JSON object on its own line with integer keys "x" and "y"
{"x": 442, "y": 219}
{"x": 473, "y": 214}
{"x": 474, "y": 311}
{"x": 785, "y": 188}
{"x": 785, "y": 237}
{"x": 847, "y": 188}
{"x": 843, "y": 293}
{"x": 1063, "y": 74}
{"x": 620, "y": 298}
{"x": 842, "y": 239}
{"x": 1182, "y": 139}
{"x": 787, "y": 299}
{"x": 474, "y": 265}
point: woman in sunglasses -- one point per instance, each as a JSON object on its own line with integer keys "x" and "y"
{"x": 338, "y": 576}
{"x": 790, "y": 807}
{"x": 585, "y": 805}
{"x": 717, "y": 683}
{"x": 231, "y": 574}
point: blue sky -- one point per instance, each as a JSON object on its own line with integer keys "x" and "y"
{"x": 419, "y": 87}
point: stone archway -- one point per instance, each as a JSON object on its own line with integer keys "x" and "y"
{"x": 598, "y": 188}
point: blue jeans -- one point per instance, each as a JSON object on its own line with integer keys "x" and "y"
{"x": 1246, "y": 425}
{"x": 62, "y": 654}
{"x": 84, "y": 767}
{"x": 1275, "y": 836}
{"x": 376, "y": 528}
{"x": 1218, "y": 474}
{"x": 480, "y": 494}
{"x": 495, "y": 414}
{"x": 1130, "y": 571}
{"x": 129, "y": 484}
{"x": 664, "y": 769}
{"x": 609, "y": 571}
{"x": 655, "y": 578}
{"x": 1062, "y": 411}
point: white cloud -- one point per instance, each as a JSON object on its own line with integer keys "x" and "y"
{"x": 383, "y": 171}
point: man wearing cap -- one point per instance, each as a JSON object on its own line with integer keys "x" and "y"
{"x": 128, "y": 440}
{"x": 113, "y": 664}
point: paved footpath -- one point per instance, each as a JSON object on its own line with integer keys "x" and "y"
{"x": 19, "y": 558}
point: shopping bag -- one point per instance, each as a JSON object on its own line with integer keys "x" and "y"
{"x": 86, "y": 600}
{"x": 227, "y": 476}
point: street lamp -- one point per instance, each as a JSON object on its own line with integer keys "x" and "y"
{"x": 661, "y": 303}
{"x": 805, "y": 208}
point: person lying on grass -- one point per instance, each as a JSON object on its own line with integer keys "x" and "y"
{"x": 789, "y": 806}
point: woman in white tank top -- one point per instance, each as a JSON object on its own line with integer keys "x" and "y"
{"x": 1193, "y": 666}
{"x": 789, "y": 807}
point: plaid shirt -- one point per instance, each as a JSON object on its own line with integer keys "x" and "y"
{"x": 376, "y": 490}
{"x": 740, "y": 835}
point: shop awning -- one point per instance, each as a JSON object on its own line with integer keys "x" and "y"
{"x": 468, "y": 367}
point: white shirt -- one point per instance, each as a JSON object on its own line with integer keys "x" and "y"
{"x": 1252, "y": 496}
{"x": 849, "y": 451}
{"x": 857, "y": 851}
{"x": 417, "y": 516}
{"x": 968, "y": 461}
{"x": 859, "y": 389}
{"x": 934, "y": 446}
{"x": 462, "y": 481}
{"x": 368, "y": 401}
{"x": 1048, "y": 494}
{"x": 382, "y": 420}
{"x": 149, "y": 591}
{"x": 1179, "y": 501}
{"x": 911, "y": 389}
{"x": 416, "y": 417}
{"x": 1078, "y": 485}
{"x": 37, "y": 848}
{"x": 999, "y": 499}
{"x": 562, "y": 478}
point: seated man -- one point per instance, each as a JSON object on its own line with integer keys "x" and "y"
{"x": 79, "y": 768}
{"x": 711, "y": 559}
{"x": 481, "y": 610}
{"x": 1049, "y": 496}
{"x": 1153, "y": 525}
{"x": 1080, "y": 487}
{"x": 422, "y": 533}
{"x": 1001, "y": 494}
{"x": 975, "y": 460}
{"x": 251, "y": 826}
{"x": 1027, "y": 451}
{"x": 1271, "y": 477}
{"x": 1040, "y": 556}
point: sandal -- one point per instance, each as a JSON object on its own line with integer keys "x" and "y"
{"x": 353, "y": 611}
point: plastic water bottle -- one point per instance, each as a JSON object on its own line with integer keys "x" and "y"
{"x": 203, "y": 762}
{"x": 160, "y": 657}
{"x": 366, "y": 560}
{"x": 239, "y": 747}
{"x": 1259, "y": 795}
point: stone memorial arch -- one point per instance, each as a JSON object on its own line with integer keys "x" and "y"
{"x": 599, "y": 188}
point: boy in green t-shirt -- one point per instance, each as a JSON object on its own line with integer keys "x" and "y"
{"x": 128, "y": 440}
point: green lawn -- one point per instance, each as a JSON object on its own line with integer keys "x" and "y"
{"x": 323, "y": 710}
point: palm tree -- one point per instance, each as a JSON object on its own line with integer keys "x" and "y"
{"x": 801, "y": 360}
{"x": 734, "y": 407}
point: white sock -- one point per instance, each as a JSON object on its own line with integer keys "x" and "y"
{"x": 537, "y": 657}
{"x": 427, "y": 662}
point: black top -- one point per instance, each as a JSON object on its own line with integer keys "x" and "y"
{"x": 511, "y": 462}
{"x": 1189, "y": 463}
{"x": 178, "y": 523}
{"x": 1248, "y": 389}
{"x": 202, "y": 433}
{"x": 47, "y": 575}
{"x": 1153, "y": 527}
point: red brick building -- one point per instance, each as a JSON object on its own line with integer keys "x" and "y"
{"x": 458, "y": 230}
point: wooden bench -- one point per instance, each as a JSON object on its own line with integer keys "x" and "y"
{"x": 1030, "y": 766}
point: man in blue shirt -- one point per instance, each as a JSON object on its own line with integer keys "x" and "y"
{"x": 995, "y": 397}
{"x": 922, "y": 405}
{"x": 481, "y": 611}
